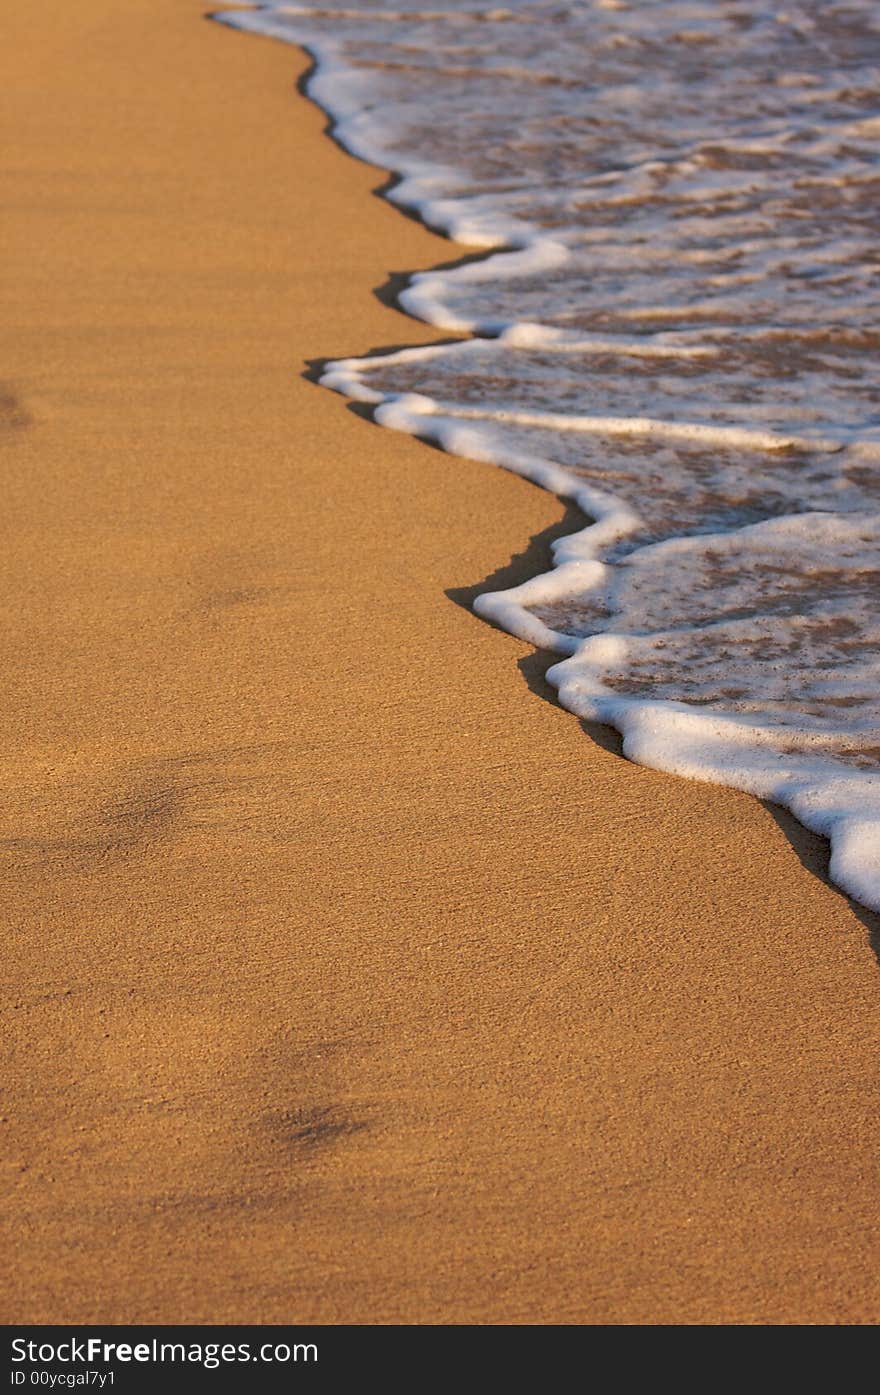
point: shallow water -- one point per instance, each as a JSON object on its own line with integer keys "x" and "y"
{"x": 679, "y": 331}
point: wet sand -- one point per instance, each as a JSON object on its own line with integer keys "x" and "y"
{"x": 348, "y": 978}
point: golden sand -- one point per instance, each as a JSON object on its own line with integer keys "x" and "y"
{"x": 349, "y": 979}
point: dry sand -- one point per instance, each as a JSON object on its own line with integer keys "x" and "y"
{"x": 350, "y": 979}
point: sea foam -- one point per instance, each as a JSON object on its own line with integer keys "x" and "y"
{"x": 675, "y": 327}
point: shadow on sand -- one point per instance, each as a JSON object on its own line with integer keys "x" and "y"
{"x": 537, "y": 557}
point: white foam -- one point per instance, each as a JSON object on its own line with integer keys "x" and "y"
{"x": 681, "y": 302}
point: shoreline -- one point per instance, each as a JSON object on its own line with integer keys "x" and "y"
{"x": 670, "y": 736}
{"x": 351, "y": 981}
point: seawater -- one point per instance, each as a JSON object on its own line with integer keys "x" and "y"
{"x": 675, "y": 325}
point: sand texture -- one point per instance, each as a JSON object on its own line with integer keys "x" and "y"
{"x": 346, "y": 977}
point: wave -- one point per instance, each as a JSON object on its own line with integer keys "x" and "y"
{"x": 676, "y": 328}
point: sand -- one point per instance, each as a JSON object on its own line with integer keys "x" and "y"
{"x": 348, "y": 977}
